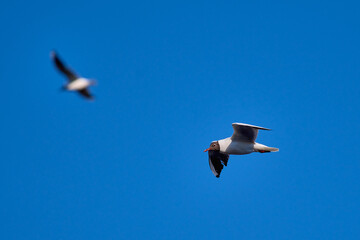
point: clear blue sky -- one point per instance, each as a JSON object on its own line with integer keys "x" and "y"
{"x": 172, "y": 77}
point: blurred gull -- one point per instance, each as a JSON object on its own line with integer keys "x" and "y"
{"x": 75, "y": 82}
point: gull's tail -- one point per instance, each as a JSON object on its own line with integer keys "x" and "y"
{"x": 263, "y": 149}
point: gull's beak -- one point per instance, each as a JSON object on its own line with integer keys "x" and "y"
{"x": 206, "y": 149}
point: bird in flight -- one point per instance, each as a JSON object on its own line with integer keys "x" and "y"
{"x": 75, "y": 82}
{"x": 241, "y": 142}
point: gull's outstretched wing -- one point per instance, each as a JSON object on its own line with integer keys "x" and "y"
{"x": 216, "y": 161}
{"x": 85, "y": 93}
{"x": 60, "y": 65}
{"x": 245, "y": 132}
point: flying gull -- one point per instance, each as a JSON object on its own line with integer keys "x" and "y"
{"x": 75, "y": 82}
{"x": 241, "y": 142}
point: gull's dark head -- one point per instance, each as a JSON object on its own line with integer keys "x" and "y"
{"x": 213, "y": 146}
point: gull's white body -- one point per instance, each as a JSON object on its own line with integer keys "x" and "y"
{"x": 78, "y": 84}
{"x": 237, "y": 148}
{"x": 230, "y": 146}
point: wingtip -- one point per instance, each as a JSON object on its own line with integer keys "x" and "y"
{"x": 249, "y": 125}
{"x": 52, "y": 54}
{"x": 91, "y": 99}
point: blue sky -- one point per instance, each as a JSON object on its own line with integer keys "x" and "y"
{"x": 172, "y": 77}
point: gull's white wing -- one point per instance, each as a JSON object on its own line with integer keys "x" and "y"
{"x": 245, "y": 132}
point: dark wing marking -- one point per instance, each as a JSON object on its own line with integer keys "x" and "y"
{"x": 60, "y": 65}
{"x": 85, "y": 93}
{"x": 216, "y": 161}
{"x": 245, "y": 132}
